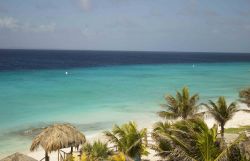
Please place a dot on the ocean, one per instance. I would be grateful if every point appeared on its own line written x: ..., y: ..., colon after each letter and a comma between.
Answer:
x: 95, y: 89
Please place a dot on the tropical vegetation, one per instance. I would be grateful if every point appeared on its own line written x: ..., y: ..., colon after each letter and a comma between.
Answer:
x: 245, y: 96
x: 190, y: 140
x: 97, y: 151
x: 128, y: 140
x: 161, y: 146
x: 119, y: 157
x: 221, y: 112
x: 183, y: 105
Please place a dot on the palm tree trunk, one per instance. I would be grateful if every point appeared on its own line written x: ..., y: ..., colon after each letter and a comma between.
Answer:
x: 46, y: 156
x: 71, y: 150
x: 222, y: 131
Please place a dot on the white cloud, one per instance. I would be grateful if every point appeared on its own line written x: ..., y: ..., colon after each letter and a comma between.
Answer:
x: 15, y: 25
x: 46, y: 28
x: 8, y: 23
x: 39, y: 28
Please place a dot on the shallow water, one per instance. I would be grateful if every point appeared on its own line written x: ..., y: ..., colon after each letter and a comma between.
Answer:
x: 95, y: 98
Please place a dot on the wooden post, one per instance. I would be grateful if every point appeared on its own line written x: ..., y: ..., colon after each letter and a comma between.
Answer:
x: 46, y: 156
x: 58, y: 155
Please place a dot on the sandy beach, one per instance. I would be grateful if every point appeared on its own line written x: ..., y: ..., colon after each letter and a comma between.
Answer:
x: 239, y: 119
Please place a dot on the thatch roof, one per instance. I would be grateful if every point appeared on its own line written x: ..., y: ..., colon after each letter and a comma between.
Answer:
x: 58, y: 136
x: 18, y: 157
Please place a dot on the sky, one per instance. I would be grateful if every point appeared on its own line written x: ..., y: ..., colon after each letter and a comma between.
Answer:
x: 144, y: 25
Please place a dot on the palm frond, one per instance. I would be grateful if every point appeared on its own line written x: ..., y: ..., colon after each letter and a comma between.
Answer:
x: 167, y: 115
x: 128, y: 139
x: 245, y: 96
x: 224, y: 153
x: 182, y: 105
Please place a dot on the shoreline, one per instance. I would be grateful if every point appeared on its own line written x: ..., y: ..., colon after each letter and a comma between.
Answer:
x: 239, y: 119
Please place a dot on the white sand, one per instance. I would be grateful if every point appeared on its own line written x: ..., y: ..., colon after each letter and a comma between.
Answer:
x: 240, y: 119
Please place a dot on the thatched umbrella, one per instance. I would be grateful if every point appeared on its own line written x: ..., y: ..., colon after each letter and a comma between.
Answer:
x: 56, y: 137
x: 18, y: 157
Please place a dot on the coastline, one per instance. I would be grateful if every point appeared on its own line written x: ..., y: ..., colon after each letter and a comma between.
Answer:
x: 239, y: 119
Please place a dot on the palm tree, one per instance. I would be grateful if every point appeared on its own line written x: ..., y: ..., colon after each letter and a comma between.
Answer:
x: 221, y: 112
x: 162, y: 146
x: 118, y: 157
x: 129, y: 140
x: 182, y: 106
x: 192, y: 140
x: 245, y: 96
x: 97, y: 151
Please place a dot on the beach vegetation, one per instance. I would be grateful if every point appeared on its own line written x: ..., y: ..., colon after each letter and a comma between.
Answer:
x: 161, y: 146
x: 222, y: 112
x: 183, y: 105
x: 245, y: 96
x: 238, y: 130
x: 118, y: 157
x: 191, y: 140
x: 97, y: 151
x: 70, y: 158
x: 129, y: 140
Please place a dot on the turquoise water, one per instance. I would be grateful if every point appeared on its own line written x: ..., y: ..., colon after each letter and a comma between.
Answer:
x: 95, y: 98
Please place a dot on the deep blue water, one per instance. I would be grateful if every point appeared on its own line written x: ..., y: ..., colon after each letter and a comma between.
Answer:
x: 58, y: 59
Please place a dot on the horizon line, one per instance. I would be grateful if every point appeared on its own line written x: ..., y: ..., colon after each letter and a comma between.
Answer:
x: 158, y: 51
